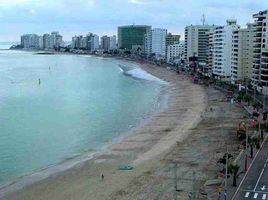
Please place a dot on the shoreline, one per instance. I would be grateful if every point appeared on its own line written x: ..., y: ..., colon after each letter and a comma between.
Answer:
x: 148, y: 142
x: 54, y: 169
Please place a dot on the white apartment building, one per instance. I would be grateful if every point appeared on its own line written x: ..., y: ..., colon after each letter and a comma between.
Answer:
x: 260, y: 52
x: 155, y: 43
x: 196, y: 42
x: 41, y: 42
x: 30, y: 41
x: 113, y: 43
x: 208, y: 67
x: 242, y: 54
x: 222, y: 53
x: 95, y: 42
x: 175, y: 52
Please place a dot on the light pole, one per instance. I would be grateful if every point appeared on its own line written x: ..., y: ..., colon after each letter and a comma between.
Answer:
x: 246, y: 153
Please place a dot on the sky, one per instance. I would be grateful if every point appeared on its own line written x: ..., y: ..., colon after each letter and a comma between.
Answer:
x: 78, y: 17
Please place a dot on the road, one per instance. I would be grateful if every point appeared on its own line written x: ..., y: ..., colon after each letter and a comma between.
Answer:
x: 255, y: 183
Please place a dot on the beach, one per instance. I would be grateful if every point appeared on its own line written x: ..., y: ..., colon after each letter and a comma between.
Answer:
x: 186, y: 133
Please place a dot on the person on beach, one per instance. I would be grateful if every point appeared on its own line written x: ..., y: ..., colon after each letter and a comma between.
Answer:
x: 102, y: 177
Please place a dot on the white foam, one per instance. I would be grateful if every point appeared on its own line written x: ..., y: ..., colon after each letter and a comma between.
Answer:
x: 141, y: 74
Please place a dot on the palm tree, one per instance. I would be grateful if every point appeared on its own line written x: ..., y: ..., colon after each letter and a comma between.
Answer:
x: 234, y: 168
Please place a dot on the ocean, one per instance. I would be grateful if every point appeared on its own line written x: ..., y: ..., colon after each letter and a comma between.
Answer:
x: 7, y: 45
x: 55, y: 108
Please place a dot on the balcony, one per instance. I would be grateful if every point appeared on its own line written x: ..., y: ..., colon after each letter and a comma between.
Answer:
x: 258, y: 40
x: 257, y: 46
x: 258, y: 35
x: 256, y: 56
x: 256, y: 51
x: 264, y: 60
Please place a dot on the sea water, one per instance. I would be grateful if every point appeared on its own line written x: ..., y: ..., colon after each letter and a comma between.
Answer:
x: 55, y: 107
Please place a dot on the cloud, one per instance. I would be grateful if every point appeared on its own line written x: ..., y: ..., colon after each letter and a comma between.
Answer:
x: 103, y: 16
x: 137, y: 1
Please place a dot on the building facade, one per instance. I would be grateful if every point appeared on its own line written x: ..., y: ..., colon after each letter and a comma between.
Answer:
x: 131, y: 37
x: 242, y: 54
x: 30, y: 41
x: 105, y: 43
x: 197, y: 38
x: 171, y: 40
x: 260, y: 52
x: 222, y: 53
x: 155, y: 43
x: 113, y: 43
x: 175, y: 52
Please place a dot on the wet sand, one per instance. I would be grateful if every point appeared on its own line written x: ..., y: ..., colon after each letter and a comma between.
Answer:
x: 144, y: 150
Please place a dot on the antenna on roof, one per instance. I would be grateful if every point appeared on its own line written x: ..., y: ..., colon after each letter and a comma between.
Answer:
x: 203, y: 19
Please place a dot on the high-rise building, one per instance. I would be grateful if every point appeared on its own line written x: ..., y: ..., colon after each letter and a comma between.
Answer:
x: 132, y: 36
x: 260, y: 52
x: 95, y: 42
x: 197, y: 43
x: 208, y: 68
x: 196, y: 40
x: 171, y: 40
x: 46, y: 41
x: 105, y: 43
x: 30, y: 41
x: 155, y: 42
x: 222, y: 53
x: 242, y: 54
x: 113, y: 43
x: 41, y: 42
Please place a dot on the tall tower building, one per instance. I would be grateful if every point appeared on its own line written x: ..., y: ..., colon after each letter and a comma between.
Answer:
x: 260, y: 52
x: 155, y: 42
x: 222, y: 53
x: 132, y: 36
x: 242, y: 54
x: 197, y: 43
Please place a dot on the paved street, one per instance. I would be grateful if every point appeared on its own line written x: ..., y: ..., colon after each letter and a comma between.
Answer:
x: 255, y: 184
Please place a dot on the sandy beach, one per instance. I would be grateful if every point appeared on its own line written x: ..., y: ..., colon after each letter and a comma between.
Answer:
x: 186, y: 132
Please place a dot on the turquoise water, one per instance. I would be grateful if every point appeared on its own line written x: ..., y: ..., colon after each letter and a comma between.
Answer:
x: 81, y: 104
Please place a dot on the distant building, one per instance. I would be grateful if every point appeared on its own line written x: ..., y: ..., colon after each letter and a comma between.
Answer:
x: 175, y: 52
x: 41, y: 42
x: 105, y: 43
x: 155, y: 43
x: 197, y: 44
x: 242, y: 54
x: 132, y: 36
x: 95, y: 43
x: 222, y: 53
x: 30, y: 41
x: 113, y: 43
x: 171, y: 40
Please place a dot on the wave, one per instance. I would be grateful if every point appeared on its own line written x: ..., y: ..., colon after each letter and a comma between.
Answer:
x: 139, y: 73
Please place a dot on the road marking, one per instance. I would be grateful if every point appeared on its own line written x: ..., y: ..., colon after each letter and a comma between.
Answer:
x: 255, y: 195
x: 264, y: 196
x: 247, y: 194
x: 260, y: 175
x: 256, y: 155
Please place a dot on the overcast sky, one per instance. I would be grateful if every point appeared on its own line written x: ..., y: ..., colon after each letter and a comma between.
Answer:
x: 71, y: 17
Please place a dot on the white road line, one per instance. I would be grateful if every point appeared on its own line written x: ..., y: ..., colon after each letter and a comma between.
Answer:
x: 260, y: 174
x: 255, y: 195
x: 263, y: 196
x: 247, y: 194
x: 242, y: 181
